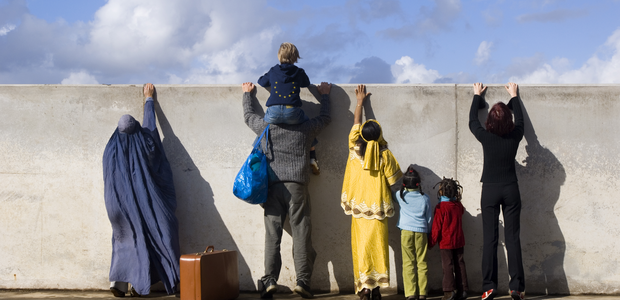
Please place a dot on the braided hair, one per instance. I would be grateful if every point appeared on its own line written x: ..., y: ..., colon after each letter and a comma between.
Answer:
x: 411, y: 180
x: 450, y: 188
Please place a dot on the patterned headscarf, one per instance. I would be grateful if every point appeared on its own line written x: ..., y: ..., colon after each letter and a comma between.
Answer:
x: 372, y: 158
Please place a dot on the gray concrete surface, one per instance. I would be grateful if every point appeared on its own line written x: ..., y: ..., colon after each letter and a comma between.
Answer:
x: 56, y: 234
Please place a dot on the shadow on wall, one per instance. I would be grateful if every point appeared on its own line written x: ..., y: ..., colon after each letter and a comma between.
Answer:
x: 201, y: 224
x: 541, y: 176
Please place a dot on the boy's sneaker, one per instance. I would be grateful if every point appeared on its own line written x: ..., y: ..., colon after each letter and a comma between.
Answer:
x: 489, y: 295
x: 516, y: 295
x: 314, y: 164
x: 303, y: 290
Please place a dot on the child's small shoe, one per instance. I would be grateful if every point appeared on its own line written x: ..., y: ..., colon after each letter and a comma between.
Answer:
x: 449, y: 295
x: 461, y: 295
x: 364, y: 294
x: 314, y: 164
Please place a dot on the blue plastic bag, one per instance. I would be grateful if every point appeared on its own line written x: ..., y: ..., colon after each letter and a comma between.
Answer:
x: 252, y: 181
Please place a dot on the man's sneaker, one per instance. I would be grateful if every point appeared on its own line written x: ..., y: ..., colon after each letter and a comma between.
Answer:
x: 489, y: 295
x: 269, y: 289
x: 516, y: 295
x: 314, y: 164
x: 303, y: 290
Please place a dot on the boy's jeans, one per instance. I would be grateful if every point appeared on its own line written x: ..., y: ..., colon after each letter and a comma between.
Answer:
x: 285, y: 114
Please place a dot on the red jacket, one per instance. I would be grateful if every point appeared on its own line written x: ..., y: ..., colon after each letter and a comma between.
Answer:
x: 447, y: 226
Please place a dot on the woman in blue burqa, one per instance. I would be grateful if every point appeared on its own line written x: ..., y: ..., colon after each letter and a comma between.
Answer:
x: 140, y: 200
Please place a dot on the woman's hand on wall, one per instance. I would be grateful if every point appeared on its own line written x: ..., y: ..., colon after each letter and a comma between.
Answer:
x: 361, y: 94
x: 148, y: 90
x: 512, y: 89
x: 479, y: 88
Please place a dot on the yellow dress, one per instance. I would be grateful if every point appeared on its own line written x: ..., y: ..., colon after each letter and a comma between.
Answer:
x: 366, y: 195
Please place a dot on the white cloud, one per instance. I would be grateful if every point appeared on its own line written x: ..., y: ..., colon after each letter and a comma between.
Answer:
x: 594, y: 70
x: 81, y: 77
x: 484, y: 53
x: 235, y: 63
x: 405, y: 70
x: 6, y: 29
x: 139, y: 40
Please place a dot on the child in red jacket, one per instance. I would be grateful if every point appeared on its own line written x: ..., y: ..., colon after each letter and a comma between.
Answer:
x: 447, y: 231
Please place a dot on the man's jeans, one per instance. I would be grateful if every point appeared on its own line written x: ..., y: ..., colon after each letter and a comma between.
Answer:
x: 293, y: 199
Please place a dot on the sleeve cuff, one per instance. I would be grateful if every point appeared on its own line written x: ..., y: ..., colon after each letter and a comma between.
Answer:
x: 149, y: 99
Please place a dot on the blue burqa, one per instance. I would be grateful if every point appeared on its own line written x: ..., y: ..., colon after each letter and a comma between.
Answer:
x: 140, y: 200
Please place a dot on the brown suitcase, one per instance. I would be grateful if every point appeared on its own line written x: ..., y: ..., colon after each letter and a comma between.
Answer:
x: 210, y: 275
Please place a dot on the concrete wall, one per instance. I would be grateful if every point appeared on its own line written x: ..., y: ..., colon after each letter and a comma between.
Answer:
x: 55, y: 233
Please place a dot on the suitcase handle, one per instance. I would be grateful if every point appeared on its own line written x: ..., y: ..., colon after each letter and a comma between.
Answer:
x: 210, y: 248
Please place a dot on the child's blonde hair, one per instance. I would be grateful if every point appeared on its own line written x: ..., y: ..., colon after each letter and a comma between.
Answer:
x: 288, y: 54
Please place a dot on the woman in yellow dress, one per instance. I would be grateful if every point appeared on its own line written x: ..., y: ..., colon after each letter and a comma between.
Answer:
x: 366, y: 195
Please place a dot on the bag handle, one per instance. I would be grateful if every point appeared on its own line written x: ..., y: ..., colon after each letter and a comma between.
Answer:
x: 211, y: 249
x: 265, y: 132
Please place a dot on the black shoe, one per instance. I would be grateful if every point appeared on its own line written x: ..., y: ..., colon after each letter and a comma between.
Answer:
x: 269, y: 289
x: 364, y: 294
x: 375, y: 294
x: 303, y: 290
x: 116, y: 292
x: 463, y: 295
x: 134, y: 293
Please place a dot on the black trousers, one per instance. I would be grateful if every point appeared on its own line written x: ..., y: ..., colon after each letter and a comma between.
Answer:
x: 508, y: 197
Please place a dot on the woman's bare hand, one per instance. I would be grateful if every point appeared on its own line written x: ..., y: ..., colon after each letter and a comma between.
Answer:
x: 360, y: 94
x: 512, y: 89
x: 479, y: 88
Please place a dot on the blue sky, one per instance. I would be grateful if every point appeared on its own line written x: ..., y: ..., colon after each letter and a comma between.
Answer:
x: 341, y: 41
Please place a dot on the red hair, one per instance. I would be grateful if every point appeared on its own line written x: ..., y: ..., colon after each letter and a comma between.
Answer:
x: 499, y: 120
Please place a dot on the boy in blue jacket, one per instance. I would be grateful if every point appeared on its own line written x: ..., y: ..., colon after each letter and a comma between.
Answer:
x: 284, y: 103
